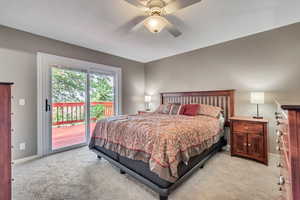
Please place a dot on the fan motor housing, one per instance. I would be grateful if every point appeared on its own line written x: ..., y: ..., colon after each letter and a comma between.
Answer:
x: 156, y: 3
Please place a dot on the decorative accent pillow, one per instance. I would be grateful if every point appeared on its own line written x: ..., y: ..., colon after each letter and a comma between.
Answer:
x: 175, y: 109
x: 191, y: 109
x: 208, y: 110
x: 164, y: 109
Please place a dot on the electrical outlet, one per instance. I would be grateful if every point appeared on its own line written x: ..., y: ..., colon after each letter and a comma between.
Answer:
x: 22, y: 146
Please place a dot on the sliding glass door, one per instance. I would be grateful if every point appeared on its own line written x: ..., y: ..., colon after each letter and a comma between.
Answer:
x: 72, y: 95
x: 68, y: 91
x: 78, y: 99
x: 102, y: 97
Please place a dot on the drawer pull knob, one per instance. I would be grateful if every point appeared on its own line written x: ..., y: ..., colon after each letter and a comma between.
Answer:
x: 281, y: 180
x: 12, y: 179
x: 279, y: 133
x: 245, y: 144
x: 279, y: 165
x: 278, y: 148
x: 249, y: 145
x: 277, y: 140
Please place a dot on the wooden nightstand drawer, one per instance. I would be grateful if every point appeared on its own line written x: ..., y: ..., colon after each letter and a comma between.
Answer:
x: 248, y: 127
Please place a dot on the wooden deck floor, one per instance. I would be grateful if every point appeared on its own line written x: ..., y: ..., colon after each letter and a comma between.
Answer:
x: 69, y: 135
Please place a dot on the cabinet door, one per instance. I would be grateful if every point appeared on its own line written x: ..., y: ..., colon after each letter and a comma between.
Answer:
x: 240, y: 143
x: 256, y: 146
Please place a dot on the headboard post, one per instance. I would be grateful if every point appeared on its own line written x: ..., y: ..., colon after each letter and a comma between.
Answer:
x: 221, y: 98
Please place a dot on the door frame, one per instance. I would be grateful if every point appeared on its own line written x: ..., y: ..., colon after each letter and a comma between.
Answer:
x: 44, y: 64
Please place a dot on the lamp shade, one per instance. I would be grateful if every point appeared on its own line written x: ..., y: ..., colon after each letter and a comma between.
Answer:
x: 257, y: 97
x: 155, y: 23
x: 148, y: 99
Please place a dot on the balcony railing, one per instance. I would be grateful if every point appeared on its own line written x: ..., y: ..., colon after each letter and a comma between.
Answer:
x: 70, y: 113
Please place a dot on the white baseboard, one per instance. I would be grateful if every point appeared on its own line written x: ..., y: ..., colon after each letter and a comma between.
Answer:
x: 26, y: 159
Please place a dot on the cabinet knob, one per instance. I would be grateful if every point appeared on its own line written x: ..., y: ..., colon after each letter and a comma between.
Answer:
x: 12, y: 180
x: 245, y: 144
x: 249, y: 145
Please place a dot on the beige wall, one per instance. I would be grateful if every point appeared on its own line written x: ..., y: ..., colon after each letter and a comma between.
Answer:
x: 18, y: 64
x: 268, y: 61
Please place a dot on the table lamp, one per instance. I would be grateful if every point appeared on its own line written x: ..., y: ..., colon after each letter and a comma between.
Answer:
x: 257, y: 98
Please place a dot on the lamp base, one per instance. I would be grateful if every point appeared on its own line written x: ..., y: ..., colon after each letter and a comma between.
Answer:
x: 257, y: 117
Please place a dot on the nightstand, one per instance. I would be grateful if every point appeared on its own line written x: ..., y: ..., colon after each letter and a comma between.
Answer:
x: 141, y: 112
x: 248, y: 138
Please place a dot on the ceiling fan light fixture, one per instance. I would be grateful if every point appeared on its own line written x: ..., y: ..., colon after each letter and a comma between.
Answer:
x: 155, y: 23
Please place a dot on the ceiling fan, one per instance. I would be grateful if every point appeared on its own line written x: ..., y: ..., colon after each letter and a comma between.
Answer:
x: 157, y: 12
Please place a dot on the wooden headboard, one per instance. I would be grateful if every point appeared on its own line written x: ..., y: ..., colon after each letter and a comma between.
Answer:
x: 220, y: 98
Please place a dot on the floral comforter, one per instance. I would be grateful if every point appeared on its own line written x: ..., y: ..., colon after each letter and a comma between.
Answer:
x: 161, y: 140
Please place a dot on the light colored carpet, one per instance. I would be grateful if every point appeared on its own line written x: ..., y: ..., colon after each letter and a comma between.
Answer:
x: 79, y: 175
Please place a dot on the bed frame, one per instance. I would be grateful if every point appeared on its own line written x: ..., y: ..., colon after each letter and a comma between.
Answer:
x: 221, y: 98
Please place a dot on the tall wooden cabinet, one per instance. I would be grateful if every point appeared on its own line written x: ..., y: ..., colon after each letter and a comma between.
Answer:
x: 288, y: 133
x: 5, y: 141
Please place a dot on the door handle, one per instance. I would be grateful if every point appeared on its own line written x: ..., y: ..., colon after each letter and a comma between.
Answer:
x: 47, y: 106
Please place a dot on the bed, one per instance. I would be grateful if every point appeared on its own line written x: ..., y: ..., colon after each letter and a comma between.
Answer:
x: 162, y: 150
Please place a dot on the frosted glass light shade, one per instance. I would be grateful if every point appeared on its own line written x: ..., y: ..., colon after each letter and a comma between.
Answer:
x: 155, y: 23
x: 257, y: 97
x: 147, y: 99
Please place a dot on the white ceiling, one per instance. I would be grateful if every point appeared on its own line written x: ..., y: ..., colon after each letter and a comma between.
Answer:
x: 96, y: 24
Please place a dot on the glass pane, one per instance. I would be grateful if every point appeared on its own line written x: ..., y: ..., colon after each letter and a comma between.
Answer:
x: 68, y: 108
x: 102, y: 97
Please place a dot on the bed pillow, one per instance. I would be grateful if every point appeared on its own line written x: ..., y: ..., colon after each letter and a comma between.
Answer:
x: 163, y: 109
x: 190, y: 109
x: 208, y: 110
x: 175, y: 108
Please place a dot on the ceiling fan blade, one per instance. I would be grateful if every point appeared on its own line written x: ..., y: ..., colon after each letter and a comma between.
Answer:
x: 137, y: 3
x: 130, y: 25
x: 173, y: 30
x: 139, y: 24
x: 179, y: 4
